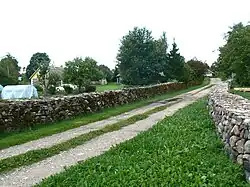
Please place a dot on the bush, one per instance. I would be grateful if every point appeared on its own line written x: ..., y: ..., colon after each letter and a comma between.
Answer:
x: 90, y: 88
x: 68, y: 89
x: 60, y: 90
x: 39, y: 88
x: 52, y: 90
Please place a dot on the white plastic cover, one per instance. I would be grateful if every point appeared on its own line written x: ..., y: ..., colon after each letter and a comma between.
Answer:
x: 19, y: 92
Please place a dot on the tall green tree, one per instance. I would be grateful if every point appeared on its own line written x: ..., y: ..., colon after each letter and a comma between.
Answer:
x: 81, y: 72
x: 176, y: 63
x: 199, y: 68
x: 38, y: 60
x: 115, y: 73
x: 9, y: 70
x: 107, y: 73
x: 161, y: 64
x: 234, y: 55
x: 136, y: 58
x: 41, y: 61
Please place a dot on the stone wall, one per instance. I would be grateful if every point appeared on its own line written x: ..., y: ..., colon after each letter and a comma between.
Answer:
x: 231, y: 114
x: 16, y: 115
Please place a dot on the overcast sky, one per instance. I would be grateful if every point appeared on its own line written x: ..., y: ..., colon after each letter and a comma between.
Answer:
x: 65, y: 29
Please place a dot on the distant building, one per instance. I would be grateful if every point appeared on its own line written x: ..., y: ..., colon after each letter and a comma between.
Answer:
x: 209, y: 73
x: 34, y: 77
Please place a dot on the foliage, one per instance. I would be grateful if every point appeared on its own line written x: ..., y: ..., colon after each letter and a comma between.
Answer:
x: 81, y: 72
x: 182, y: 150
x: 39, y: 88
x: 161, y: 65
x: 176, y: 63
x: 199, y: 68
x: 52, y: 90
x: 54, y: 79
x: 38, y: 60
x: 188, y: 74
x: 142, y: 60
x: 136, y: 58
x: 41, y: 61
x: 8, y: 139
x: 243, y: 94
x: 90, y: 88
x: 107, y: 73
x: 115, y: 74
x: 68, y: 89
x: 234, y: 55
x: 9, y: 70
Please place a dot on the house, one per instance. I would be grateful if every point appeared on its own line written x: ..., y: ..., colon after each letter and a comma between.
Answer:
x: 118, y: 79
x: 34, y: 78
x: 100, y: 82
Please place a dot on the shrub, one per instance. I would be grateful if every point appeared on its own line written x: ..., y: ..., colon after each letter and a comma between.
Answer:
x: 68, y: 89
x: 52, y: 90
x: 60, y: 90
x: 90, y: 88
x: 39, y: 88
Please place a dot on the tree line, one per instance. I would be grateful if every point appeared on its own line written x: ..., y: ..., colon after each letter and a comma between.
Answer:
x: 141, y: 60
x: 234, y: 56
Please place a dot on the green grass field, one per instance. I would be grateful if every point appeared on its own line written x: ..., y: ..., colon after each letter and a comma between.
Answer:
x: 108, y: 87
x: 243, y: 94
x: 182, y: 150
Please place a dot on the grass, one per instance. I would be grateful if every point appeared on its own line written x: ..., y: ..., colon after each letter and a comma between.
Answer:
x: 31, y: 157
x: 182, y: 150
x: 39, y: 131
x: 108, y: 87
x: 243, y: 94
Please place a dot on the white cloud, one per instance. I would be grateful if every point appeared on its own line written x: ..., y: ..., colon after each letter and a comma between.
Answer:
x: 65, y: 29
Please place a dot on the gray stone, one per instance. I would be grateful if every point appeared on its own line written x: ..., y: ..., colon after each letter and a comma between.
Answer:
x: 17, y: 114
x: 242, y: 133
x: 247, y: 147
x: 247, y: 176
x: 246, y: 134
x: 233, y: 121
x: 235, y: 130
x: 240, y: 146
x: 233, y: 140
x: 246, y: 157
x: 247, y: 122
x: 240, y: 159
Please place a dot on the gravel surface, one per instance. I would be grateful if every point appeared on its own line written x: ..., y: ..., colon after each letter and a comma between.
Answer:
x: 30, y: 175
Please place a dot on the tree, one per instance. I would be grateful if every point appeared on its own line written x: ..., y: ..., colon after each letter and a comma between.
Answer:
x: 136, y: 60
x: 115, y: 74
x: 9, y: 70
x: 107, y: 73
x: 54, y: 79
x: 234, y: 55
x: 38, y: 60
x: 81, y: 72
x: 41, y: 61
x: 176, y: 63
x: 161, y: 64
x: 188, y: 74
x: 199, y: 68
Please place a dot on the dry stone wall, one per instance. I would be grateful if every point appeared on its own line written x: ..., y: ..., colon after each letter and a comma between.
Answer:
x: 16, y: 115
x: 231, y: 114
